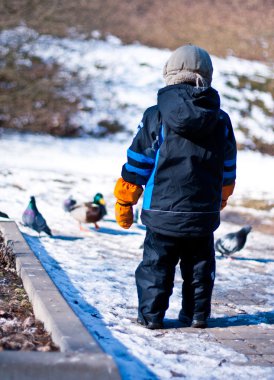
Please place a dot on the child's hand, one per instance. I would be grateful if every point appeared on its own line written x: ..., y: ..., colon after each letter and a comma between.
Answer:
x: 127, y: 195
x: 124, y: 215
x: 226, y: 192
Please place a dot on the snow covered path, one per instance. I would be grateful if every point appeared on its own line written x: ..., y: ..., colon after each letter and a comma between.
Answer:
x: 95, y: 271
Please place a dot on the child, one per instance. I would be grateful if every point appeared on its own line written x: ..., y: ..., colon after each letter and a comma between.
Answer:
x: 185, y: 155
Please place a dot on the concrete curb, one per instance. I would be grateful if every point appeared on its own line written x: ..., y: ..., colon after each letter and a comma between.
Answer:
x: 68, y: 332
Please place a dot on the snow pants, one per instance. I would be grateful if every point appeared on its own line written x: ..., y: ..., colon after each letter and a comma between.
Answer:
x: 155, y: 275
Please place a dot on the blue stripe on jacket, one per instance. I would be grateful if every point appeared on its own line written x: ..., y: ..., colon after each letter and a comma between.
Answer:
x: 230, y: 174
x: 140, y: 157
x: 142, y: 172
x: 230, y: 162
x: 150, y: 184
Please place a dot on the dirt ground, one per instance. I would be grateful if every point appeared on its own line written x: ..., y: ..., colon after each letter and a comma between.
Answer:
x: 19, y: 330
x: 240, y: 27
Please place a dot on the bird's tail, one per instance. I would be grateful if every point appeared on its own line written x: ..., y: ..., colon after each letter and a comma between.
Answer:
x: 47, y: 230
x: 218, y: 247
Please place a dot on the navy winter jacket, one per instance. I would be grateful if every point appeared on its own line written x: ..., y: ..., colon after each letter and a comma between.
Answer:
x: 183, y: 152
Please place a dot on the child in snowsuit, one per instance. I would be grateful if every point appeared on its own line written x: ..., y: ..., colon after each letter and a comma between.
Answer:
x: 185, y: 154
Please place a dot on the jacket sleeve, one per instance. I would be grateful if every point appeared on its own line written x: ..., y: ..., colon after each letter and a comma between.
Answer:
x: 230, y: 155
x: 142, y: 152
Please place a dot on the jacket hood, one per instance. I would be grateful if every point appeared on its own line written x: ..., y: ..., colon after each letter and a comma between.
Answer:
x: 188, y: 110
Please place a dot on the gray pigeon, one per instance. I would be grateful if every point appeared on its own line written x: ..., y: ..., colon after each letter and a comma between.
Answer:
x: 34, y: 219
x: 4, y: 215
x: 232, y: 242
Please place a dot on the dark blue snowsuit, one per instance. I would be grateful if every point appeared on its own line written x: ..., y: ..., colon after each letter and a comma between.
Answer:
x: 184, y: 153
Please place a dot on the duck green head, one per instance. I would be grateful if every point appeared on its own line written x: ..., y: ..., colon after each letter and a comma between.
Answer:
x: 99, y: 199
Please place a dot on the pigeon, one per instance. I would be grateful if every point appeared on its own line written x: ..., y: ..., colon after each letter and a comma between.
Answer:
x: 34, y: 219
x: 68, y: 204
x: 232, y: 242
x: 3, y: 215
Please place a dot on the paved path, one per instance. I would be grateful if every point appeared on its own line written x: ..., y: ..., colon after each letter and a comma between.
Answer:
x: 254, y: 341
x: 240, y: 332
x: 248, y: 325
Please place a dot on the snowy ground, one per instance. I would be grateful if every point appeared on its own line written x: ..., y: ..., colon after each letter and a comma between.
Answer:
x: 118, y: 82
x: 95, y: 272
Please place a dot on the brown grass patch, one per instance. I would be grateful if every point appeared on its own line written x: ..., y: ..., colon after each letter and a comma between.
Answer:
x: 107, y: 127
x: 257, y: 204
x: 240, y: 27
x: 31, y: 98
x: 19, y: 330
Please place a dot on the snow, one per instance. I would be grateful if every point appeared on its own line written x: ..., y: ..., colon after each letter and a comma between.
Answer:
x: 114, y: 75
x: 254, y: 178
x: 95, y: 270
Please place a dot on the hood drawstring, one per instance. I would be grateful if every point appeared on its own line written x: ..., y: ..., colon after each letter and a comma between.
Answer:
x: 200, y: 80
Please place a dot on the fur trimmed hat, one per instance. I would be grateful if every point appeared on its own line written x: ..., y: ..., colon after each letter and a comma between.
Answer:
x: 189, y: 63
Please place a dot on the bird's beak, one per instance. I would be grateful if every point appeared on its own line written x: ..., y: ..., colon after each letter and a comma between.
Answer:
x: 102, y: 202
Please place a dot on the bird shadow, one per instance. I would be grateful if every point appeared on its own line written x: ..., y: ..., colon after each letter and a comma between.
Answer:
x: 109, y: 220
x: 258, y: 260
x: 111, y: 231
x: 127, y: 363
x: 67, y: 238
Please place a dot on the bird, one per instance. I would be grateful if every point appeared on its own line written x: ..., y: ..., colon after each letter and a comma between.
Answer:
x: 3, y: 215
x: 89, y: 212
x: 232, y: 242
x: 69, y: 203
x: 34, y: 219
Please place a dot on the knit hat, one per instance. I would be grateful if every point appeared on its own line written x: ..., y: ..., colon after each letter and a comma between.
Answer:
x: 189, y: 63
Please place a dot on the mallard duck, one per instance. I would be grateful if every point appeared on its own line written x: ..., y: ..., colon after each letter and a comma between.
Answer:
x: 34, y: 219
x: 89, y: 212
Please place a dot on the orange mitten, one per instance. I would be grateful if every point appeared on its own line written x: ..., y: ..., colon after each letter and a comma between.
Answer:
x: 124, y: 215
x: 127, y: 194
x: 226, y: 192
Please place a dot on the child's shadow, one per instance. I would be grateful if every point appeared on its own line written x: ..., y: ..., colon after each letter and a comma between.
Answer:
x: 237, y: 320
x: 243, y: 320
x: 172, y: 324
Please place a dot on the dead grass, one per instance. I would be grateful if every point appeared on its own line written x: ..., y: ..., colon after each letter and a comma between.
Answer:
x: 31, y: 98
x: 257, y: 204
x: 258, y: 223
x: 107, y: 127
x: 19, y: 330
x: 240, y: 27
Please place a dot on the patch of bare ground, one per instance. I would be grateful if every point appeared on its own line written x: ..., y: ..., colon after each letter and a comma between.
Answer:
x: 31, y: 97
x: 19, y: 330
x: 258, y: 223
x: 240, y: 27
